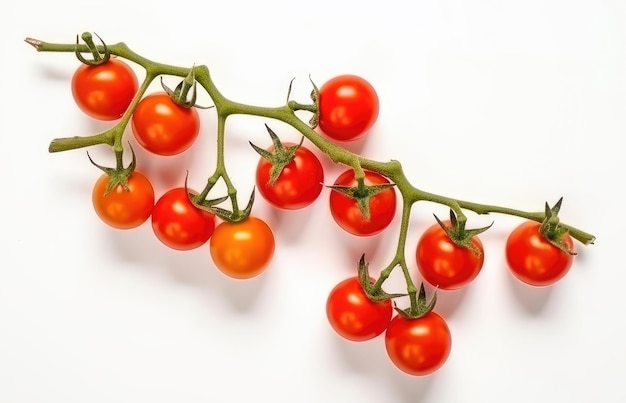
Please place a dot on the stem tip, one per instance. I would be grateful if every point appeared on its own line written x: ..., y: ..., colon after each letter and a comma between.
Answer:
x: 36, y: 43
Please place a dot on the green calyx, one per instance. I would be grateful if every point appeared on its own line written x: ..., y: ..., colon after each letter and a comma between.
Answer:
x: 460, y: 235
x: 313, y: 108
x: 98, y: 58
x: 118, y: 175
x: 180, y: 94
x: 235, y: 215
x: 423, y: 307
x: 212, y: 206
x: 280, y: 157
x: 208, y: 205
x: 374, y: 293
x: 552, y: 230
x: 362, y: 193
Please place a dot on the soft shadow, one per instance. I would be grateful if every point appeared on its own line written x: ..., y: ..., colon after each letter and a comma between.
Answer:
x: 370, y: 358
x: 193, y: 268
x: 141, y: 246
x: 241, y: 294
x: 367, y: 357
x: 357, y: 246
x: 533, y: 299
x: 449, y: 301
x: 165, y: 172
x: 290, y: 224
x: 56, y: 74
x: 410, y: 388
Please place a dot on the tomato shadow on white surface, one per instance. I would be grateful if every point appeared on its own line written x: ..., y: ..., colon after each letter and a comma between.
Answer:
x: 192, y: 268
x: 290, y: 225
x: 448, y: 301
x: 410, y: 388
x: 165, y: 172
x: 366, y: 357
x: 50, y: 72
x: 532, y: 299
x: 242, y: 295
x: 369, y: 358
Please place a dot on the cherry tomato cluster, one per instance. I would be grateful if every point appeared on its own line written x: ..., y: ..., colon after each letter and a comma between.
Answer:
x: 421, y: 345
x: 417, y: 346
x: 163, y: 127
x: 289, y: 176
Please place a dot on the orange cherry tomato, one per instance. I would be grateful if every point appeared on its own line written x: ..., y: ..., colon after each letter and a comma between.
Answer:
x: 124, y: 208
x: 244, y: 249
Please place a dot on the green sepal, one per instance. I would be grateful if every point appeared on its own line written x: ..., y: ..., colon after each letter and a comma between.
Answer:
x: 551, y: 229
x: 98, y: 58
x: 423, y: 308
x: 180, y: 94
x: 362, y: 194
x: 281, y: 156
x: 231, y: 216
x: 207, y: 205
x: 118, y: 175
x: 460, y: 235
x: 315, y: 97
x: 378, y: 294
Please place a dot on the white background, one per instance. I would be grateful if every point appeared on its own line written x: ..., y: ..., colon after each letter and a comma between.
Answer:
x: 513, y: 103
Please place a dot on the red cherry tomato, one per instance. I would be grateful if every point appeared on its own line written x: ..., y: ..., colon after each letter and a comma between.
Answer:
x: 345, y: 210
x: 443, y: 263
x: 418, y: 346
x: 353, y: 315
x: 299, y: 184
x: 104, y: 91
x: 178, y: 223
x: 348, y: 107
x: 534, y: 260
x: 163, y: 127
x: 124, y: 208
x: 244, y: 249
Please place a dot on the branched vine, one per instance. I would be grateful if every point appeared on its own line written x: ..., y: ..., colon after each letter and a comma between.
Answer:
x: 225, y: 107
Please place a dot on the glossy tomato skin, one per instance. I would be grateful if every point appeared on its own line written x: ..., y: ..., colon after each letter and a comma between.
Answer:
x: 348, y: 107
x: 121, y: 208
x: 353, y: 315
x: 418, y: 346
x: 444, y: 264
x: 345, y: 210
x: 244, y: 249
x: 179, y: 224
x: 163, y: 127
x: 534, y: 260
x: 104, y: 91
x: 299, y: 184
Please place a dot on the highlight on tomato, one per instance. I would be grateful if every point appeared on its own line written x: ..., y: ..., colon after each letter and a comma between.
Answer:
x: 243, y: 249
x: 533, y: 260
x: 104, y: 91
x: 123, y: 208
x: 418, y: 346
x: 178, y: 223
x: 348, y: 107
x: 443, y: 263
x: 163, y: 127
x: 300, y: 181
x: 347, y: 214
x: 354, y: 316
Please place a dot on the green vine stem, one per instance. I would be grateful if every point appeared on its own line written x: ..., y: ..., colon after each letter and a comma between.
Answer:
x: 286, y: 113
